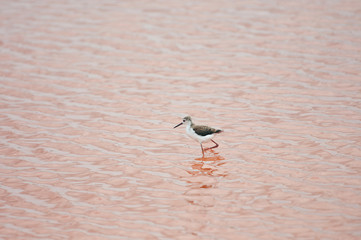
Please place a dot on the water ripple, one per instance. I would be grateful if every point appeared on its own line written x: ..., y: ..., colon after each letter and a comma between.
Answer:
x: 90, y: 93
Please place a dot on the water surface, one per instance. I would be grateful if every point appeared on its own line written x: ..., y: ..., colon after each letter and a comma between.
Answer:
x: 90, y: 92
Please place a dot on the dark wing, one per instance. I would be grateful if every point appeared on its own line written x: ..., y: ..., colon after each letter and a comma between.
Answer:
x: 205, y: 130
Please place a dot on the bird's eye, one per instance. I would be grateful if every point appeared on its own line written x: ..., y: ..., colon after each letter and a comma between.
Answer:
x: 184, y: 120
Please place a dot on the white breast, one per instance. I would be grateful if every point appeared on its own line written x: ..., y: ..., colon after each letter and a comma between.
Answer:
x: 190, y: 132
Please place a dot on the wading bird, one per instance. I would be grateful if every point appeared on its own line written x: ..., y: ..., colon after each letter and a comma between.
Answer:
x: 199, y: 133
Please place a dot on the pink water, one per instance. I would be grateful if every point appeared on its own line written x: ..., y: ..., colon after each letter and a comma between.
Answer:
x: 91, y: 90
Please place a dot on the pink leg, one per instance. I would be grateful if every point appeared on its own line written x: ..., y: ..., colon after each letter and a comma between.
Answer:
x: 213, y: 146
x: 202, y: 150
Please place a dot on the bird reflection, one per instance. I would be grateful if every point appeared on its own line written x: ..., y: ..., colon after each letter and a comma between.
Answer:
x: 208, y: 165
x: 204, y: 178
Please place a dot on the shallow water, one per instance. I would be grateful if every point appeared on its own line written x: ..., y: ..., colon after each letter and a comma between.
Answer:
x: 91, y: 91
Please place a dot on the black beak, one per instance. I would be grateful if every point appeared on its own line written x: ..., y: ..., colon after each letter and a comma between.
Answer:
x: 178, y: 125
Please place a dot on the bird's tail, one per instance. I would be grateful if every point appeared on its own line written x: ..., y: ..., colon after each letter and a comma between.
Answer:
x: 219, y: 131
